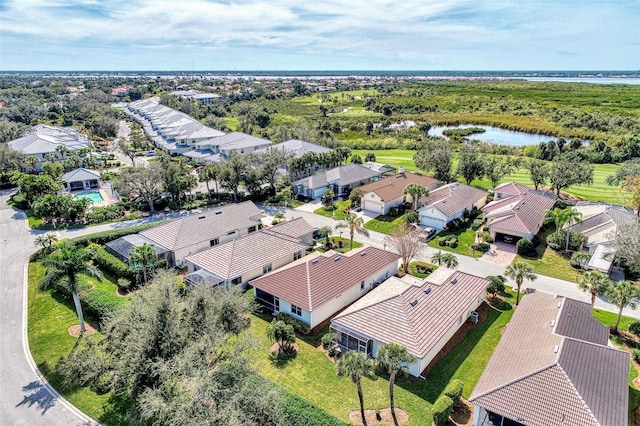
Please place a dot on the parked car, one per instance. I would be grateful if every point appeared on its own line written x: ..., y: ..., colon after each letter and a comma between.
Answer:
x: 508, y: 239
x: 428, y: 233
x: 150, y: 153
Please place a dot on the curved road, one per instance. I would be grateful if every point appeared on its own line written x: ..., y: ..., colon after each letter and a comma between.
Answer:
x: 25, y: 398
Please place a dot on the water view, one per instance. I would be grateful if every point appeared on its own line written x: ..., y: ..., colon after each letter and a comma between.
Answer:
x: 497, y: 136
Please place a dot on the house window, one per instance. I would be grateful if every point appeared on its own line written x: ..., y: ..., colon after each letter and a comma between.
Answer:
x: 214, y: 242
x: 362, y: 285
x: 296, y: 310
x: 236, y: 280
x: 231, y: 232
x: 297, y: 255
x: 276, y: 304
x: 252, y: 229
x: 266, y: 269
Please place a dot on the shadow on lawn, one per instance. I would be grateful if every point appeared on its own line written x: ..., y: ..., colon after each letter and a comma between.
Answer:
x: 444, y: 370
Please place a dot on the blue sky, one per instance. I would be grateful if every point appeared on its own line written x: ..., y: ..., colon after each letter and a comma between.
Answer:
x: 319, y: 35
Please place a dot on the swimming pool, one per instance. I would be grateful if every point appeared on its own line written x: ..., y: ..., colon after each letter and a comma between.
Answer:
x: 95, y: 197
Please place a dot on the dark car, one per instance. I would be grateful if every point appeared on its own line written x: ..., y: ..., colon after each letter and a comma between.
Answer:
x: 508, y: 239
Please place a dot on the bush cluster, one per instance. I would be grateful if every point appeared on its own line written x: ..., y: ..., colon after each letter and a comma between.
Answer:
x: 476, y: 224
x: 109, y: 213
x: 106, y: 236
x: 100, y: 303
x: 634, y: 328
x: 441, y: 410
x: 449, y: 240
x: 557, y: 241
x: 298, y: 326
x: 524, y: 247
x: 298, y: 412
x: 454, y: 390
x: 483, y: 247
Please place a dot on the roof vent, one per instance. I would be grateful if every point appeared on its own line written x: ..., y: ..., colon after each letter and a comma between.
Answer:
x: 553, y: 323
x: 363, y: 253
x: 555, y: 349
x: 219, y: 212
x: 559, y: 305
x: 427, y: 291
x: 335, y: 259
x: 201, y: 217
x: 414, y: 302
x: 454, y: 281
x: 314, y: 261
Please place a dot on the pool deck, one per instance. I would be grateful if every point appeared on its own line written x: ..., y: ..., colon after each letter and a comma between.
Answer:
x: 107, y: 199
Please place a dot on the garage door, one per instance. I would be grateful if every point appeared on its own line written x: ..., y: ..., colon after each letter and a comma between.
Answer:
x: 372, y: 206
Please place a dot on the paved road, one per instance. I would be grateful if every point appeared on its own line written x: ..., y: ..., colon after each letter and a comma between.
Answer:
x: 25, y: 398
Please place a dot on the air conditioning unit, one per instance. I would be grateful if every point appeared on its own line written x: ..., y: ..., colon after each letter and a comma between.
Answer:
x: 473, y: 317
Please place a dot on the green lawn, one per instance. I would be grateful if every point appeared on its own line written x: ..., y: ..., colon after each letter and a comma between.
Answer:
x: 338, y: 213
x: 384, y: 224
x: 49, y: 316
x: 549, y: 262
x: 413, y: 269
x: 609, y: 319
x: 466, y: 237
x: 345, y: 243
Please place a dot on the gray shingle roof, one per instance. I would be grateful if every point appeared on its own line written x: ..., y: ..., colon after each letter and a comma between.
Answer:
x: 341, y: 175
x: 80, y: 175
x: 453, y: 198
x: 123, y: 245
x: 320, y: 278
x: 297, y: 147
x: 237, y: 140
x: 403, y: 312
x: 541, y: 377
x: 43, y: 139
x: 204, y: 226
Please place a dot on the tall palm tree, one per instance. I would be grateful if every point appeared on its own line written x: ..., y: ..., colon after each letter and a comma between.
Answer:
x: 447, y: 259
x: 558, y: 217
x: 573, y: 216
x: 144, y: 256
x: 595, y: 282
x: 355, y: 224
x: 356, y: 365
x: 520, y: 271
x: 63, y: 269
x: 394, y: 358
x: 623, y: 294
x: 416, y: 191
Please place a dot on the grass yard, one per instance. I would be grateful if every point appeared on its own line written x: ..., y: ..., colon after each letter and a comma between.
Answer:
x: 413, y: 269
x: 345, y: 245
x: 466, y: 237
x: 384, y: 224
x: 338, y: 213
x: 609, y: 319
x: 49, y: 316
x: 550, y: 262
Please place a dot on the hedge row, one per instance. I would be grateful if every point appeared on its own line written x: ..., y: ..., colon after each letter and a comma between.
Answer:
x: 118, y: 269
x: 106, y: 236
x: 454, y: 390
x: 441, y: 410
x: 298, y: 412
x: 298, y: 326
x: 100, y: 303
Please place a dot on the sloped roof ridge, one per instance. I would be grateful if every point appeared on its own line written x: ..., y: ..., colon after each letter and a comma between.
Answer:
x: 377, y: 302
x: 233, y: 250
x: 517, y: 379
x: 309, y: 284
x: 573, y: 386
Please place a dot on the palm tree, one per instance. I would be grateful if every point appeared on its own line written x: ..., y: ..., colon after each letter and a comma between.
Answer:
x: 394, y: 358
x: 582, y: 259
x: 447, y: 259
x: 45, y: 241
x: 356, y: 365
x: 144, y: 256
x: 622, y: 294
x: 572, y: 216
x: 558, y: 217
x: 282, y: 333
x: 595, y: 282
x: 416, y: 191
x: 520, y: 271
x: 63, y: 269
x: 355, y: 224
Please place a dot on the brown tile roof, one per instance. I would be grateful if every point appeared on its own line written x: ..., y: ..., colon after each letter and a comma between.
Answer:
x: 393, y: 187
x: 415, y: 315
x: 521, y: 212
x: 453, y: 198
x: 237, y: 257
x: 199, y: 227
x: 316, y: 279
x: 552, y: 367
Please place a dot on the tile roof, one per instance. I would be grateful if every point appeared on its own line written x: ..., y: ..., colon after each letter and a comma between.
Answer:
x: 319, y: 278
x: 43, y: 139
x: 124, y: 244
x: 342, y: 175
x: 453, y: 198
x: 237, y: 140
x: 234, y: 258
x: 600, y: 221
x: 552, y: 366
x: 414, y: 314
x: 392, y: 187
x: 200, y: 227
x: 80, y: 174
x: 297, y: 147
x: 523, y: 211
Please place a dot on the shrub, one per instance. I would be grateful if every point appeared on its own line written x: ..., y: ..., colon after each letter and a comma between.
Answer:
x: 477, y: 223
x: 327, y: 339
x: 298, y: 412
x: 524, y: 247
x: 411, y: 217
x: 486, y: 237
x: 20, y: 202
x: 275, y: 222
x: 483, y: 247
x: 106, y: 236
x: 112, y: 265
x: 298, y: 326
x: 454, y: 390
x: 124, y: 284
x: 101, y: 303
x: 634, y: 328
x: 452, y: 242
x: 442, y: 241
x: 635, y: 353
x: 557, y: 241
x: 441, y: 410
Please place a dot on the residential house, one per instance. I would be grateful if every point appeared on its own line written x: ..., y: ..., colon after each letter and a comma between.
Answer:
x: 121, y: 247
x: 421, y: 315
x: 341, y: 180
x: 380, y: 196
x: 553, y: 366
x: 317, y: 286
x: 193, y: 233
x: 297, y: 149
x: 383, y: 169
x: 449, y: 202
x: 81, y: 179
x: 49, y: 143
x: 203, y: 98
x: 243, y: 259
x: 600, y: 224
x: 517, y: 211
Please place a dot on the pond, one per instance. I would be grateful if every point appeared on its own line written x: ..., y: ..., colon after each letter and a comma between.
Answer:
x: 498, y: 136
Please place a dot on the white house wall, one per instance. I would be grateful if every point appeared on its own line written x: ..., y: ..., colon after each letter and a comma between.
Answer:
x: 430, y: 216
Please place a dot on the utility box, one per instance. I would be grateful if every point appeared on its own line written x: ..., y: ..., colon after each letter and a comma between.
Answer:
x: 473, y: 318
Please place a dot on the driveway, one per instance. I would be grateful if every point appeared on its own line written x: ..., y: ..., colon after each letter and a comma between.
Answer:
x: 25, y: 399
x: 501, y: 253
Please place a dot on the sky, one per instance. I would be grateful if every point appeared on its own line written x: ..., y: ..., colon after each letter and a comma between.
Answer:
x: 196, y: 35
